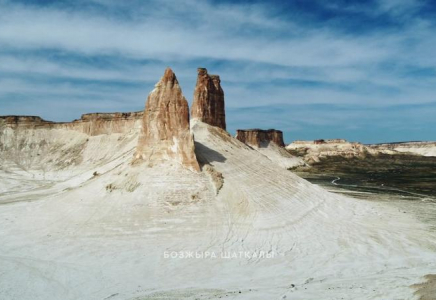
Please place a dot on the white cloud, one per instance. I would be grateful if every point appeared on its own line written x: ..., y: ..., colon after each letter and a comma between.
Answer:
x: 261, y: 46
x: 400, y: 8
x: 218, y: 33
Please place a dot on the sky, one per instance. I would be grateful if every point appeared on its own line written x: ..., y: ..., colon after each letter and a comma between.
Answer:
x: 360, y: 70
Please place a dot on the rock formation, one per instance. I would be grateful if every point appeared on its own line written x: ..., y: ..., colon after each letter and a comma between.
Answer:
x: 418, y: 148
x: 314, y: 151
x: 259, y: 137
x: 91, y: 124
x: 107, y: 123
x: 23, y: 122
x: 165, y: 132
x: 208, y: 105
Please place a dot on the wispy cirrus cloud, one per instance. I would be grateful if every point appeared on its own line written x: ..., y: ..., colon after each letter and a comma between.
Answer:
x: 367, y: 56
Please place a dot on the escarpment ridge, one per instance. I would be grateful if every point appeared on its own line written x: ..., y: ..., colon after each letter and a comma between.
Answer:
x: 418, y: 148
x: 91, y: 124
x: 313, y: 151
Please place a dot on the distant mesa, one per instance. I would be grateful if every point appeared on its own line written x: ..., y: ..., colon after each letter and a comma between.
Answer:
x: 322, y: 141
x: 165, y: 134
x: 331, y: 141
x: 208, y: 104
x: 259, y: 138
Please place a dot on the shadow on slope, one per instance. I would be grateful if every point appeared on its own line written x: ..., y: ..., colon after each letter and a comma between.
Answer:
x: 205, y: 155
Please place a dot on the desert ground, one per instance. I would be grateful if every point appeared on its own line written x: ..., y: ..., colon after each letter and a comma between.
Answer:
x: 79, y: 220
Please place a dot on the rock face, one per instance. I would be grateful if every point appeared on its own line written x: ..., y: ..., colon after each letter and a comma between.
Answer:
x: 108, y: 123
x: 165, y: 132
x: 314, y: 151
x: 91, y: 124
x: 23, y: 122
x: 321, y: 142
x: 259, y: 137
x: 208, y: 105
x: 418, y: 148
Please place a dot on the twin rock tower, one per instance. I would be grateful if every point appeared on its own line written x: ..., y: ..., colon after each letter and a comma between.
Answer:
x: 166, y: 134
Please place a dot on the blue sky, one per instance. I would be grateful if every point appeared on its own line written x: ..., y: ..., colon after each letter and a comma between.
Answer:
x: 360, y: 70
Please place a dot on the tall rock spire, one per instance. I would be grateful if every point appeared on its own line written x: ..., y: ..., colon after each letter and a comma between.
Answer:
x: 165, y: 132
x: 208, y: 105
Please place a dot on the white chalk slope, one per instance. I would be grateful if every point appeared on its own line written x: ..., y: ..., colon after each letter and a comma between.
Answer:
x: 279, y: 155
x: 424, y: 150
x: 67, y: 234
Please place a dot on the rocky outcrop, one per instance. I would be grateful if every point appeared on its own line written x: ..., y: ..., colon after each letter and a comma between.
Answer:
x: 208, y: 104
x: 108, y: 123
x: 418, y: 148
x: 314, y: 151
x: 216, y: 177
x: 24, y: 122
x: 91, y: 124
x: 165, y: 132
x: 259, y: 137
x: 270, y: 144
x: 321, y: 141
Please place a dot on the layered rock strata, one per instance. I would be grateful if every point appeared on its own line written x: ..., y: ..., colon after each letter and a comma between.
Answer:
x: 314, y: 151
x: 24, y: 122
x: 91, y: 124
x: 259, y: 137
x: 418, y: 148
x: 107, y: 123
x: 208, y: 104
x: 165, y: 132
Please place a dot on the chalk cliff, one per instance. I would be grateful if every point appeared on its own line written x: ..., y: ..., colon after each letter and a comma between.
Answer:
x: 92, y: 124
